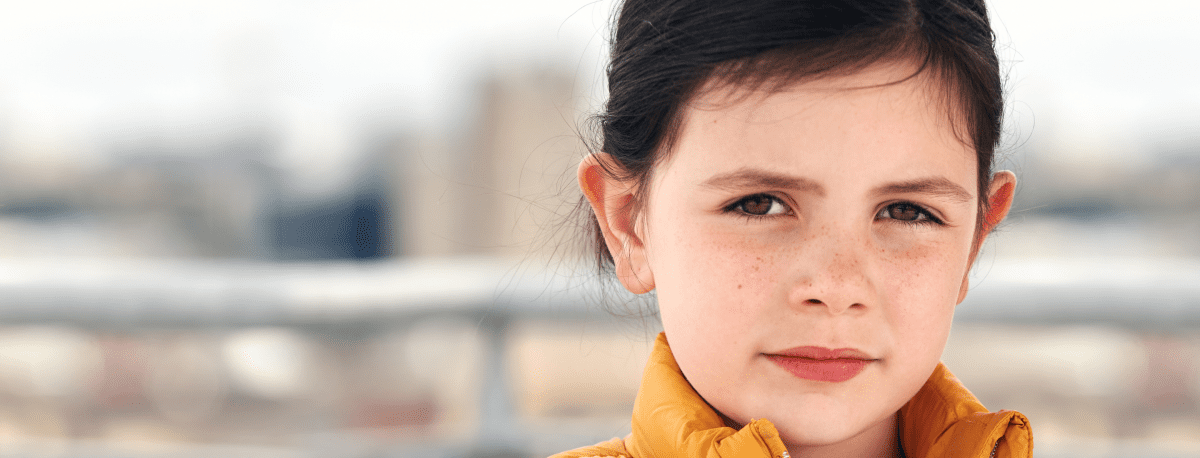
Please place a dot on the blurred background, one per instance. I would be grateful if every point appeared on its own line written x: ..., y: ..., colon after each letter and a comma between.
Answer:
x: 317, y: 228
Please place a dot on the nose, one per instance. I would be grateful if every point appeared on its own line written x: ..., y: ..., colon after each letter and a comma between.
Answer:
x: 834, y: 307
x: 833, y: 274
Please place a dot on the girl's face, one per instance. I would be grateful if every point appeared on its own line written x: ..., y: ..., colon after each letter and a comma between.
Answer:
x: 808, y: 248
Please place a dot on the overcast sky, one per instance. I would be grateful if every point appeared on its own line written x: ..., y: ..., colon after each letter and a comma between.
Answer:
x: 1089, y: 78
x: 1104, y: 77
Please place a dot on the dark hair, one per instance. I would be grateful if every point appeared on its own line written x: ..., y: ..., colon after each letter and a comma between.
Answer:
x: 663, y: 51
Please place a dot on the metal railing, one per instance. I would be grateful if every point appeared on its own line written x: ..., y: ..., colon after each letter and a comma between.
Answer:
x: 357, y: 298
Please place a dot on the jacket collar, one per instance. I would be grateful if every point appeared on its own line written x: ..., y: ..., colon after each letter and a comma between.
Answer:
x: 943, y: 419
x: 671, y: 420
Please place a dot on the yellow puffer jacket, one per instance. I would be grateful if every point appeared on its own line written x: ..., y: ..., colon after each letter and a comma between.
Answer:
x: 670, y: 420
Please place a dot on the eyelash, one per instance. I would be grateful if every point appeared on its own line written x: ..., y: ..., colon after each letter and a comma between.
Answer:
x: 738, y: 207
x: 924, y: 216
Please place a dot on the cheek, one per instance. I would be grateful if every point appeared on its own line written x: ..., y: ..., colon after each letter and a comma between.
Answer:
x: 927, y: 262
x: 710, y: 279
x: 715, y: 293
x: 921, y: 286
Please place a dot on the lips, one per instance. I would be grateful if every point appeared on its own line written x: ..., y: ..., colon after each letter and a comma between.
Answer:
x: 822, y: 364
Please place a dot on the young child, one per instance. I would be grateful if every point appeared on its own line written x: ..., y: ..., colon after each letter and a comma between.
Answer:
x: 805, y: 185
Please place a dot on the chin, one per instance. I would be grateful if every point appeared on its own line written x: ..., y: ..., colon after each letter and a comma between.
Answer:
x: 815, y: 432
x: 823, y: 425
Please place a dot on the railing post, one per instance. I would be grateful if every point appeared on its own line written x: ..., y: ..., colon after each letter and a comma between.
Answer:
x: 499, y: 434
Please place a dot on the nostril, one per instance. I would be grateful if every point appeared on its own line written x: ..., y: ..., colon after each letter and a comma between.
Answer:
x: 814, y: 302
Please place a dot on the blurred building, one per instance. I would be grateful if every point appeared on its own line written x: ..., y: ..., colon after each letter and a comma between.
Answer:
x: 504, y: 185
x: 493, y: 186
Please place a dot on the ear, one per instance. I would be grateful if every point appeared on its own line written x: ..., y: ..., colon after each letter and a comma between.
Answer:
x: 1000, y: 197
x: 612, y: 201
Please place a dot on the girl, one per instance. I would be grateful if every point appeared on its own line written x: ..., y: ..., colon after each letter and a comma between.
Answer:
x: 805, y: 185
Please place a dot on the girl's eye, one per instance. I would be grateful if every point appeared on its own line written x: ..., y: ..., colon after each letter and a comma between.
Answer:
x: 907, y: 212
x: 759, y: 205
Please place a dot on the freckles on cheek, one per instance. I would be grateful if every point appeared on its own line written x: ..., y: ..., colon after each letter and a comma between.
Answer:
x: 721, y: 270
x: 929, y: 254
x: 925, y: 279
x: 750, y: 285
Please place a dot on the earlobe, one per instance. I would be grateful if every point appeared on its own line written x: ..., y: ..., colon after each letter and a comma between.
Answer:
x: 612, y: 201
x: 1000, y: 198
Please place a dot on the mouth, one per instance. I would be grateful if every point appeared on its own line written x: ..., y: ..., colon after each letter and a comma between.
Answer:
x: 822, y: 364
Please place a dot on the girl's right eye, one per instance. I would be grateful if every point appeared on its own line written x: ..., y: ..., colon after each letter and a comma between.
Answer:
x: 759, y: 205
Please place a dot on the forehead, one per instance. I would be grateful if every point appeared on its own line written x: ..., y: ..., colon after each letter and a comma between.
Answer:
x: 886, y: 119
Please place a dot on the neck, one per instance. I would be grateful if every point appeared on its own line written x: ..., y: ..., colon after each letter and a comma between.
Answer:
x: 879, y: 441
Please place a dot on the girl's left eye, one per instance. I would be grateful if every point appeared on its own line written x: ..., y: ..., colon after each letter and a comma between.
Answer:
x: 908, y: 213
x: 759, y: 205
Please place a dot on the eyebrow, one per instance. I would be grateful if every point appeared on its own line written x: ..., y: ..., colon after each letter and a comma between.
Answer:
x: 933, y: 186
x: 758, y: 178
